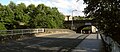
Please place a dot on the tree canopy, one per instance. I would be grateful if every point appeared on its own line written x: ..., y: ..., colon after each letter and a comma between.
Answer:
x: 106, y: 13
x: 14, y: 16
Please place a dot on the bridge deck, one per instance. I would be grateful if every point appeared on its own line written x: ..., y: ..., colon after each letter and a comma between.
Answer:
x: 92, y: 43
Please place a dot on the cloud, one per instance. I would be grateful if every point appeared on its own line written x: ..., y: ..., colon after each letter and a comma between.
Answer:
x: 64, y: 6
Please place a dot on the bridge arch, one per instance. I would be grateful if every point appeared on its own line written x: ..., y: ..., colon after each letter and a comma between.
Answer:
x: 92, y: 30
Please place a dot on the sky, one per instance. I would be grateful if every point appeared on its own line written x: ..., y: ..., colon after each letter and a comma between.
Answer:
x: 64, y: 6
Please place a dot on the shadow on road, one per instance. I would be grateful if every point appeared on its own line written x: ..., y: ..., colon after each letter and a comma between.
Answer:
x: 89, y: 45
x: 41, y: 44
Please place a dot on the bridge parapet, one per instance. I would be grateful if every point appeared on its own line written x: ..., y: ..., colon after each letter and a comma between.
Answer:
x: 79, y: 23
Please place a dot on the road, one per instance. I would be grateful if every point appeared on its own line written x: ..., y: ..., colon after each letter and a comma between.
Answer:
x: 50, y: 43
x: 91, y: 43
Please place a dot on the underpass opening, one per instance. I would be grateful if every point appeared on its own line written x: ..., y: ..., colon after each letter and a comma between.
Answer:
x: 86, y: 29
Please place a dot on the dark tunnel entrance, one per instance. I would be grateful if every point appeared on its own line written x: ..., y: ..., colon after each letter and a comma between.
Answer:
x: 83, y: 29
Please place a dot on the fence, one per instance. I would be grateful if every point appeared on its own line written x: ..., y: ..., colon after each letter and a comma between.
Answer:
x: 20, y: 31
x: 20, y: 34
x: 30, y: 31
x: 111, y: 45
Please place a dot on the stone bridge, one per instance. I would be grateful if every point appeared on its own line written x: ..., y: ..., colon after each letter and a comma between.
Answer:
x: 78, y: 25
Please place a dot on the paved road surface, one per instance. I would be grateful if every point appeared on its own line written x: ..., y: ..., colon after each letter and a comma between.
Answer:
x: 92, y: 43
x: 50, y: 43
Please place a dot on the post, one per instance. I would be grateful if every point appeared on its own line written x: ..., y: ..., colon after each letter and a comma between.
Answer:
x: 37, y: 30
x: 12, y: 32
x: 22, y: 33
x: 81, y: 31
x: 72, y: 26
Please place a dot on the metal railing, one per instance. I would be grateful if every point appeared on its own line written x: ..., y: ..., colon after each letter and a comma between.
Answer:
x: 20, y: 31
x: 112, y: 46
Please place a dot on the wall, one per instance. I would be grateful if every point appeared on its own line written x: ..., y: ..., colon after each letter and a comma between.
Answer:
x: 94, y: 29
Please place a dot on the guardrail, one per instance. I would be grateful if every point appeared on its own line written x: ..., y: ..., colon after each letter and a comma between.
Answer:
x: 20, y: 31
x: 111, y: 45
x: 20, y: 34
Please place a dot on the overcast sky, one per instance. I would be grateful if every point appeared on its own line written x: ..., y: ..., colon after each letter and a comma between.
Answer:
x: 64, y: 6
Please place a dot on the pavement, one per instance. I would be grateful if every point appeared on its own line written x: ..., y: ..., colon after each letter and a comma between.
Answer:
x: 92, y: 43
x: 49, y: 43
x: 65, y: 42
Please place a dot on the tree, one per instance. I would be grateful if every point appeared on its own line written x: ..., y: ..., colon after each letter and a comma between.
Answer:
x: 14, y: 16
x: 20, y: 17
x: 12, y: 5
x: 20, y: 14
x: 2, y: 25
x: 6, y: 16
x: 106, y: 13
x: 30, y: 10
x: 58, y: 17
x: 46, y: 17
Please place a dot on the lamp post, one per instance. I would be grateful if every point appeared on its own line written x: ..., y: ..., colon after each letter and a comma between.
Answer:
x: 72, y: 26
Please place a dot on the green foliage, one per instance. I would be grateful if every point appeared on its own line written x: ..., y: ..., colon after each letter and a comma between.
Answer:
x: 20, y: 15
x: 6, y: 16
x: 14, y: 16
x: 106, y: 13
x: 87, y: 28
x: 12, y: 5
x: 46, y: 17
x: 82, y: 18
x: 2, y: 26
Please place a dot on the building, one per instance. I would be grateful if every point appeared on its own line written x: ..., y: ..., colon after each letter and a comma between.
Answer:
x: 68, y: 18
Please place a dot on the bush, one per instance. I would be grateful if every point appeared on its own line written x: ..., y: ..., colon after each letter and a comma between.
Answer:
x: 2, y: 26
x: 87, y: 28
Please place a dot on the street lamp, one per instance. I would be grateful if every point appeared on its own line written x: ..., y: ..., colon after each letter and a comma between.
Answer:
x: 72, y: 26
